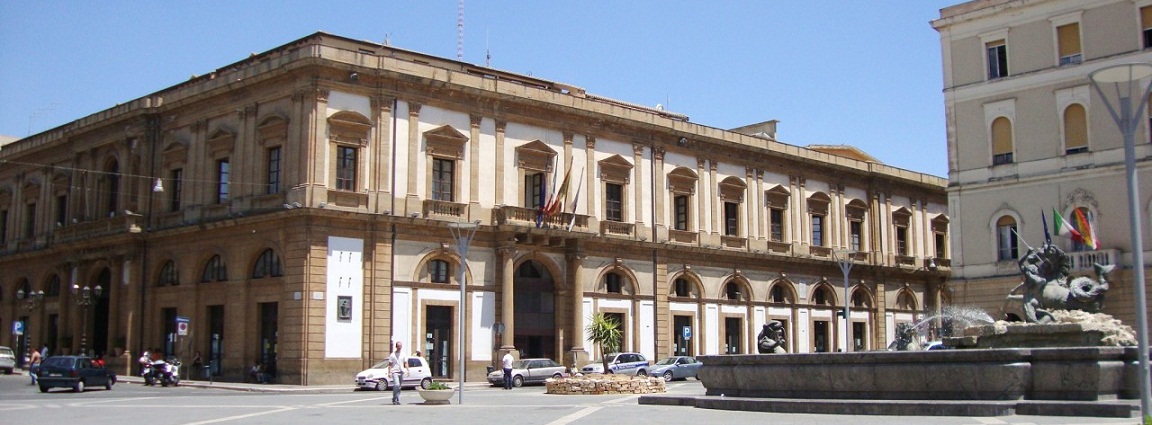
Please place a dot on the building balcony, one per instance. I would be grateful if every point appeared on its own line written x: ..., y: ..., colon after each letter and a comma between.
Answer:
x: 820, y: 251
x: 526, y: 217
x: 781, y: 248
x: 734, y: 242
x: 120, y: 224
x: 616, y: 228
x: 443, y: 209
x: 683, y: 237
x: 1084, y: 261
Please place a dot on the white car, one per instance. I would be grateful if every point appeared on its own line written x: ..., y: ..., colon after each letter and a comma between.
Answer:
x: 7, y: 360
x: 622, y: 363
x: 377, y: 377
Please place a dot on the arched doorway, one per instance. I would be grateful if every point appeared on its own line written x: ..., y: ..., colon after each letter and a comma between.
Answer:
x: 535, y: 314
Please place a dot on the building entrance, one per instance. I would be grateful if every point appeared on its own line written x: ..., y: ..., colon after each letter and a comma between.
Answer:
x: 535, y: 315
x: 438, y: 340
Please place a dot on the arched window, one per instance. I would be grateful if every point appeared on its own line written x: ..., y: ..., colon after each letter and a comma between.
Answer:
x: 1001, y: 141
x: 860, y: 299
x: 168, y: 275
x: 613, y: 283
x: 682, y: 287
x: 1075, y: 129
x: 215, y: 270
x: 1007, y: 247
x: 268, y: 265
x: 821, y: 296
x: 53, y: 287
x: 781, y: 294
x: 439, y: 271
x: 733, y: 291
x: 905, y: 301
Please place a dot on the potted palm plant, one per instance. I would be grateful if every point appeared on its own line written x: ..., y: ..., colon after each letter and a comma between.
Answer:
x: 436, y: 393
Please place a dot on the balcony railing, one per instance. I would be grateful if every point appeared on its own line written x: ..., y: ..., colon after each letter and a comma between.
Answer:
x: 616, y: 228
x: 1085, y: 260
x: 519, y: 216
x: 444, y: 209
x: 94, y: 229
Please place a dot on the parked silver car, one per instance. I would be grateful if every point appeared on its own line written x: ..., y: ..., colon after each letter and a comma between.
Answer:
x: 676, y: 367
x: 7, y: 360
x: 378, y: 378
x: 527, y: 371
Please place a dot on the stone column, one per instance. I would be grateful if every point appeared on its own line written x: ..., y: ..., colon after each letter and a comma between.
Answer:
x: 412, y: 198
x: 576, y: 356
x: 637, y: 188
x: 500, y: 163
x: 507, y: 255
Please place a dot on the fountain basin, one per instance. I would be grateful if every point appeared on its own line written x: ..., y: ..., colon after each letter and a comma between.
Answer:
x: 1074, y: 374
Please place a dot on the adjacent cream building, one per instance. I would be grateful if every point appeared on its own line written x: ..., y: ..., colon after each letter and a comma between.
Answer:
x: 1027, y: 134
x: 296, y: 208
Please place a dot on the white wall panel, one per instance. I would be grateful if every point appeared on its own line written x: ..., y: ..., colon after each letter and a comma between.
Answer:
x: 345, y: 281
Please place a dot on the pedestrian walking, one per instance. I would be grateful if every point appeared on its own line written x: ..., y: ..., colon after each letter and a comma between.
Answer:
x: 397, y: 367
x: 507, y: 364
x: 34, y: 360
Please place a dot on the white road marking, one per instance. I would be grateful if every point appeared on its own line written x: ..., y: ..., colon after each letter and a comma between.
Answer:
x: 232, y: 418
x: 990, y: 421
x: 574, y: 416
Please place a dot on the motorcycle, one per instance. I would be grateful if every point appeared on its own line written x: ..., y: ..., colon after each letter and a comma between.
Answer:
x: 149, y: 373
x: 167, y: 372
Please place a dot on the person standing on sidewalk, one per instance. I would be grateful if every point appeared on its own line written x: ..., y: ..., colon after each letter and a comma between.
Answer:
x: 506, y: 363
x: 397, y: 367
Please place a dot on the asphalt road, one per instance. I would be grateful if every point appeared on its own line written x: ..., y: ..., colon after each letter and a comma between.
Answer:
x: 21, y: 403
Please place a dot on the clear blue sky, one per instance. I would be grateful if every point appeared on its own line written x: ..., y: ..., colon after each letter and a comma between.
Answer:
x: 862, y: 73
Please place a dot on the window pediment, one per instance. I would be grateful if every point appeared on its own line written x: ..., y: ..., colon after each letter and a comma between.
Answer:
x: 349, y: 128
x: 856, y: 209
x: 221, y: 141
x: 682, y: 181
x: 446, y: 142
x: 818, y: 203
x: 175, y: 154
x: 776, y: 197
x: 901, y: 217
x: 274, y: 131
x: 615, y: 169
x: 535, y: 156
x: 732, y: 189
x: 60, y: 185
x: 940, y: 223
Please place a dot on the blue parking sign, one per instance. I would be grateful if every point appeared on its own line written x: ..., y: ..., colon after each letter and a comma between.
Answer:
x: 18, y: 327
x: 687, y: 331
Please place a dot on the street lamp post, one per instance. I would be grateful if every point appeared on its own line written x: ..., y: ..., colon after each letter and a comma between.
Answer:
x: 1124, y: 89
x: 87, y: 297
x: 462, y: 234
x: 30, y: 298
x: 844, y: 258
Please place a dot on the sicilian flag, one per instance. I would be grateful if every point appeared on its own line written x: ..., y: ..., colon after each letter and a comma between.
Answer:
x: 576, y: 200
x: 556, y: 204
x: 1085, y: 227
x: 1064, y: 228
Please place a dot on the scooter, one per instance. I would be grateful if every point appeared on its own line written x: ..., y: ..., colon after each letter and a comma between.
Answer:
x: 149, y: 373
x: 168, y: 372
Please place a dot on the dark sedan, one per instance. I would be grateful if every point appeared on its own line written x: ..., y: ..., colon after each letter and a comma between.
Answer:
x: 75, y: 372
x: 676, y: 367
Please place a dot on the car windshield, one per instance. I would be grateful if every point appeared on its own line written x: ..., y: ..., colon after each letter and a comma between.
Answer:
x: 381, y: 365
x: 667, y: 360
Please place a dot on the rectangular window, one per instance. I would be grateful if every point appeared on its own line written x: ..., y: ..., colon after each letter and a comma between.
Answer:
x: 61, y: 210
x: 997, y: 59
x: 345, y: 168
x: 273, y: 170
x: 223, y: 170
x: 817, y: 230
x: 1007, y: 247
x: 1146, y: 25
x: 177, y: 188
x: 1068, y: 39
x: 443, y: 175
x: 856, y: 230
x: 901, y: 240
x: 776, y: 216
x: 680, y: 212
x: 533, y: 187
x: 1001, y: 159
x: 941, y: 245
x: 30, y: 221
x: 731, y: 219
x: 3, y: 225
x: 613, y: 202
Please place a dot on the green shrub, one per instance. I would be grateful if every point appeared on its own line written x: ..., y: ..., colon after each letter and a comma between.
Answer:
x: 438, y: 386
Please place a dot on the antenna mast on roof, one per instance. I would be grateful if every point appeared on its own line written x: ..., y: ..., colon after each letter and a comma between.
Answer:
x: 460, y: 30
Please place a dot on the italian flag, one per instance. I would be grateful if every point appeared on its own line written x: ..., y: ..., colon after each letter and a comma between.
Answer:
x: 1064, y: 228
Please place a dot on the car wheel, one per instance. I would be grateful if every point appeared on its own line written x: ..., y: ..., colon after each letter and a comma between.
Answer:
x: 108, y: 384
x: 43, y: 389
x: 380, y: 386
x: 668, y: 376
x: 425, y: 383
x: 557, y: 375
x: 517, y: 381
x: 641, y: 372
x: 79, y: 387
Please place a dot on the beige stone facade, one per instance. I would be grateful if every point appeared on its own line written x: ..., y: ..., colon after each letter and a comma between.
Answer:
x: 308, y: 194
x: 1027, y: 135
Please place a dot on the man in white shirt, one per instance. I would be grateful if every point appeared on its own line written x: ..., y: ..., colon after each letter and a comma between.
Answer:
x: 507, y: 364
x: 397, y: 367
